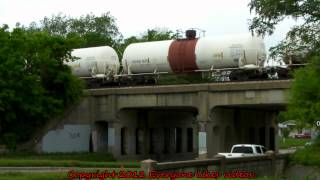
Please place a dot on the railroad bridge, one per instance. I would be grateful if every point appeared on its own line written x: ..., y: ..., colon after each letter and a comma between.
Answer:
x: 170, y: 122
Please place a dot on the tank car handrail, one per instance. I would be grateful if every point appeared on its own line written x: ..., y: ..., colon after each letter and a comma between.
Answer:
x: 304, y: 64
x: 222, y: 69
x: 141, y: 74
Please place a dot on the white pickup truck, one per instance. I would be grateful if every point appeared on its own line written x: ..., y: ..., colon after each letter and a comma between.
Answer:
x: 242, y: 150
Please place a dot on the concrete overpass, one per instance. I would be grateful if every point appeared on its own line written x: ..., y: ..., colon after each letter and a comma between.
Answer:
x: 170, y: 122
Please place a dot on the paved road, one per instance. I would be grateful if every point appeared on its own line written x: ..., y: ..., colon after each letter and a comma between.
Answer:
x: 291, y: 150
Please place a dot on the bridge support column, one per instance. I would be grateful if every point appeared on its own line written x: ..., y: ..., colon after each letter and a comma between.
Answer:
x: 114, y: 138
x: 100, y: 136
x: 202, y: 140
x: 203, y: 120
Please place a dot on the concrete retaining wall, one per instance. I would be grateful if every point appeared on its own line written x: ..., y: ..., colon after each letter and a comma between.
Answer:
x: 298, y: 172
x: 71, y: 138
x: 271, y: 165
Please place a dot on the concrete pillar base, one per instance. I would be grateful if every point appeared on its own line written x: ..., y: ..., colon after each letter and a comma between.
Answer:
x: 202, y: 156
x: 148, y: 165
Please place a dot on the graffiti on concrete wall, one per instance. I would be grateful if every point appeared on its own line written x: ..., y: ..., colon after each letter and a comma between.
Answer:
x: 74, y: 135
x: 72, y: 138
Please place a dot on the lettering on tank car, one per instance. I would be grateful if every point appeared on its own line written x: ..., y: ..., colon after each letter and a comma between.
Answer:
x: 236, y: 51
x: 141, y: 61
x: 90, y: 58
x: 218, y: 56
x: 92, y: 66
x: 77, y: 65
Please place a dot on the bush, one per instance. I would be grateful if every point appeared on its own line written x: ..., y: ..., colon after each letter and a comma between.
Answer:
x: 35, y: 85
x: 308, y: 156
x: 285, y: 132
x: 10, y: 140
x: 292, y: 142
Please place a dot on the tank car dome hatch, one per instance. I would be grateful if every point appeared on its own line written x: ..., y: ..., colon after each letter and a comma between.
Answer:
x: 191, y: 34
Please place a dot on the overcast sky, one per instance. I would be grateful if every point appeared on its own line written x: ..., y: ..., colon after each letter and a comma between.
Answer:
x: 134, y: 17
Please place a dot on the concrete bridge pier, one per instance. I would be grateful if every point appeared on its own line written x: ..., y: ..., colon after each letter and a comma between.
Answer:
x: 99, y: 137
x: 114, y: 130
x: 203, y: 140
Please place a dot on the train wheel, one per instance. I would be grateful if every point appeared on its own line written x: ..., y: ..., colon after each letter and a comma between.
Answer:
x: 238, y: 76
x: 151, y: 81
x: 243, y: 77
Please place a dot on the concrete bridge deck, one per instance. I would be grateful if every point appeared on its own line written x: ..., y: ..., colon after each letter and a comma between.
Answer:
x: 182, y: 88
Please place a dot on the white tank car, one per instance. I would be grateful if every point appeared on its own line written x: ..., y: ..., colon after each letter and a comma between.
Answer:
x: 95, y: 62
x: 146, y: 57
x: 195, y: 54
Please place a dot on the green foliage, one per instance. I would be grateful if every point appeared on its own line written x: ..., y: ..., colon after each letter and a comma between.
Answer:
x: 35, y: 84
x: 304, y: 103
x: 302, y: 43
x: 309, y: 156
x: 92, y: 30
x: 95, y: 31
x: 94, y: 157
x: 285, y: 132
x: 64, y: 163
x: 10, y: 139
x: 26, y: 159
x: 34, y: 176
x: 281, y: 117
x: 302, y: 39
x: 157, y: 35
x: 292, y: 142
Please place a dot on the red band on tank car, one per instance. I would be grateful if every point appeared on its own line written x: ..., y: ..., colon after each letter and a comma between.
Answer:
x: 182, y: 58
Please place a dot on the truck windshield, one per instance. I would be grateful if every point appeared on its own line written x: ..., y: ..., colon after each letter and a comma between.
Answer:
x: 242, y: 149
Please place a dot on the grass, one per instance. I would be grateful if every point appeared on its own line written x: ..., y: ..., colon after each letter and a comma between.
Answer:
x: 33, y: 176
x: 292, y: 142
x: 308, y: 156
x: 64, y: 163
x: 97, y: 157
x: 63, y: 160
x: 64, y: 176
x: 258, y: 178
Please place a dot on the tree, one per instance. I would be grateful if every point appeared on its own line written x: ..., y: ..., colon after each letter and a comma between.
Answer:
x: 155, y: 34
x: 301, y: 39
x: 35, y: 84
x: 94, y: 30
x: 304, y: 103
x: 304, y: 39
x: 285, y: 132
